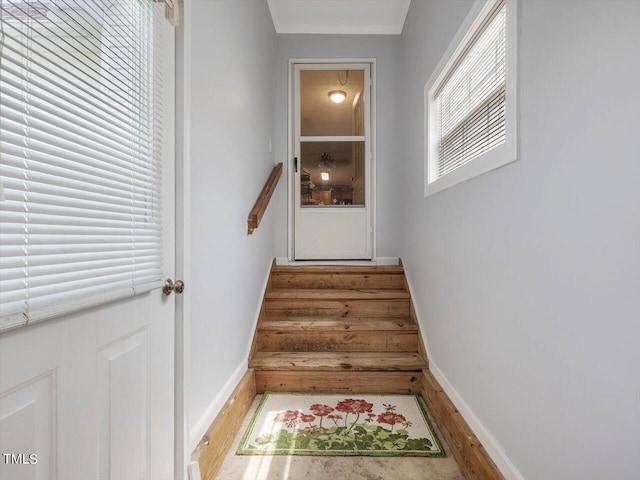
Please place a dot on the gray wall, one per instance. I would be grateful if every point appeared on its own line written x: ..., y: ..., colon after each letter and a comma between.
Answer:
x: 384, y: 49
x: 231, y: 117
x: 527, y: 278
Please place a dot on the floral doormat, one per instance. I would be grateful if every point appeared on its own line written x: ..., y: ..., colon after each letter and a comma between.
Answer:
x: 337, y: 424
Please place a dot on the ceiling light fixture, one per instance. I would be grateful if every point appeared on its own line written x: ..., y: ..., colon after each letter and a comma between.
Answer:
x: 337, y: 96
x: 324, y: 175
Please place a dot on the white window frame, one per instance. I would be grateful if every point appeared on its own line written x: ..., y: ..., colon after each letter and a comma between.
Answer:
x: 498, y: 156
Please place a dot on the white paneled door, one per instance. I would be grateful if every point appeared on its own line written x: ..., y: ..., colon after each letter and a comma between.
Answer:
x: 332, y: 195
x: 90, y: 395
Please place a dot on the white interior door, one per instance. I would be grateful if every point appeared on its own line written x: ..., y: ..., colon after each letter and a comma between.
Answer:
x: 332, y: 165
x: 90, y: 394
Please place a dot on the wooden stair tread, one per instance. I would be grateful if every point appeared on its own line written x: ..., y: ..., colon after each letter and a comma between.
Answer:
x: 336, y: 294
x: 332, y: 324
x: 337, y: 307
x: 338, y: 361
x: 338, y: 382
x: 337, y: 269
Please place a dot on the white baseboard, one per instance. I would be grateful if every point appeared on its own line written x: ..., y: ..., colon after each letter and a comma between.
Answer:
x: 202, y: 425
x: 378, y: 261
x: 489, y: 442
x: 388, y: 261
x: 193, y: 469
x: 212, y: 411
x: 257, y: 315
x: 214, y: 407
x: 423, y: 331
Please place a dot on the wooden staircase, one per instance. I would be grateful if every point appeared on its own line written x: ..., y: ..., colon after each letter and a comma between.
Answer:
x: 337, y: 329
x: 341, y: 330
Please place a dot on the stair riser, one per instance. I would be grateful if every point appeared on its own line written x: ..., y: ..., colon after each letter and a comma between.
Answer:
x: 338, y: 382
x: 336, y: 325
x: 318, y: 281
x: 338, y: 361
x: 361, y: 341
x: 337, y: 308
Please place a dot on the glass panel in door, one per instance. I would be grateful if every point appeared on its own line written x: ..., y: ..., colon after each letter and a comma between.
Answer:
x: 331, y: 102
x: 332, y: 174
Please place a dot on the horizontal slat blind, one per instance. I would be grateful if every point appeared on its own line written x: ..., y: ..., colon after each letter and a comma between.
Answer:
x: 80, y: 136
x: 471, y: 101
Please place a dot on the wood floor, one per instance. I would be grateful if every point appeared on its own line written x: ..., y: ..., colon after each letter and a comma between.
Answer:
x: 354, y: 322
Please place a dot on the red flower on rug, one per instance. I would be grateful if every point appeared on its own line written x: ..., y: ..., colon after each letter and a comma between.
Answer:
x: 350, y: 405
x: 321, y: 410
x: 291, y: 418
x: 391, y: 418
x: 287, y: 416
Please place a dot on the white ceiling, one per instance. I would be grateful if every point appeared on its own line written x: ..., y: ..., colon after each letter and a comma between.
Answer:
x: 339, y: 16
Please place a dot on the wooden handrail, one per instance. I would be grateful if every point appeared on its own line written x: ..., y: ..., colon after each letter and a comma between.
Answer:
x: 263, y: 199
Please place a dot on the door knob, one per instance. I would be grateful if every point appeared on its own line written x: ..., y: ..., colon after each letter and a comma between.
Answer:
x: 178, y: 287
x: 170, y: 286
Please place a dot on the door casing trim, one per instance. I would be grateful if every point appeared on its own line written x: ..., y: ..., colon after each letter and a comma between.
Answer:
x: 182, y: 446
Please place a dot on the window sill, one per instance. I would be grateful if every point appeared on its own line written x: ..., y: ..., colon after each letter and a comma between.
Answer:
x: 486, y: 162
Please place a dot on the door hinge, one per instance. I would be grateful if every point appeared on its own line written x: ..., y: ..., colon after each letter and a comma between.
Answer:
x: 295, y: 164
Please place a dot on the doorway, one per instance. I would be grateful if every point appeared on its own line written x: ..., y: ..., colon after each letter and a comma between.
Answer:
x: 331, y: 171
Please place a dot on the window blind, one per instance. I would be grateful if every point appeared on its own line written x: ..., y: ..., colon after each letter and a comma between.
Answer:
x: 80, y: 150
x: 471, y: 100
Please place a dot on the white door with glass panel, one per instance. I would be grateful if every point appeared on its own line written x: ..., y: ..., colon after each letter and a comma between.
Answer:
x: 332, y: 162
x: 86, y: 239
